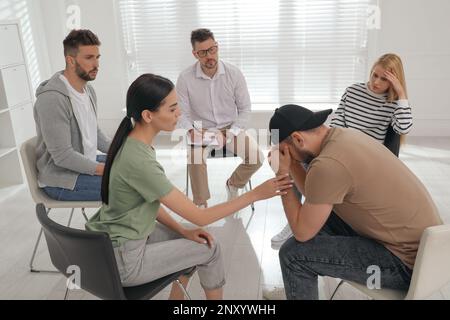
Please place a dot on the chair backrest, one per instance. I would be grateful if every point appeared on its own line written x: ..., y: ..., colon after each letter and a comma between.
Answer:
x: 432, y: 266
x: 91, y: 252
x: 392, y: 141
x: 28, y: 155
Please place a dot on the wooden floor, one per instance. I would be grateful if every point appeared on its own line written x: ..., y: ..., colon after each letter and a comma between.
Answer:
x: 251, y: 264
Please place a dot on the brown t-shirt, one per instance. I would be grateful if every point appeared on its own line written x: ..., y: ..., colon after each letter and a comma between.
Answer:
x: 372, y: 191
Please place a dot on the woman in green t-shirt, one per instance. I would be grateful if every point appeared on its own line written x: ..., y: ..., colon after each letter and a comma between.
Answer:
x: 148, y: 242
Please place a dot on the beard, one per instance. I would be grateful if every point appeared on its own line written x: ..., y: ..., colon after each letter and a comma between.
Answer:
x: 304, y: 156
x: 210, y: 64
x: 83, y: 74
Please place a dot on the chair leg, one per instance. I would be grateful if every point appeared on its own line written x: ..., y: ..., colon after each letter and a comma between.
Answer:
x: 251, y: 188
x: 187, y: 181
x: 66, y: 295
x: 252, y: 205
x: 249, y: 220
x: 35, y: 250
x: 183, y: 289
x: 70, y: 218
x: 337, y: 287
x: 83, y: 211
x: 37, y: 245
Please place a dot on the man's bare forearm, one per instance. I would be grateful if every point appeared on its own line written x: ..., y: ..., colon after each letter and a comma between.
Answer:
x: 291, y: 206
x: 298, y: 174
x: 291, y: 203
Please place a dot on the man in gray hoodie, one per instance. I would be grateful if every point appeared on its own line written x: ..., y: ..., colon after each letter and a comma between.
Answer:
x: 68, y: 136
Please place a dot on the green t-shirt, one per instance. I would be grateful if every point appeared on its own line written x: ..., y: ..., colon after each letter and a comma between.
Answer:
x: 137, y: 182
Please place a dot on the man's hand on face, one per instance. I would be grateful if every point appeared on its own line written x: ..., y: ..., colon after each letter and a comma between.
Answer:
x: 280, y: 159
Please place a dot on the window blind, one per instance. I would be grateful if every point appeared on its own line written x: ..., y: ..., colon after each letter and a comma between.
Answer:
x: 290, y: 51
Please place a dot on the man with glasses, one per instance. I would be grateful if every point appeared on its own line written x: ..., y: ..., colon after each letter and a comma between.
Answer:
x: 213, y: 96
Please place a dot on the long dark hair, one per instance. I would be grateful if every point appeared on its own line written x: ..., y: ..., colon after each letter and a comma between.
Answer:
x: 145, y: 93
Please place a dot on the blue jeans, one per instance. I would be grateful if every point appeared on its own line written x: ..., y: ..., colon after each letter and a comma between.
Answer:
x: 338, y: 251
x: 87, y: 188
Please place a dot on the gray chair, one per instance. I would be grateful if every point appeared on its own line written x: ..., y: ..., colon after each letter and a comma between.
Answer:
x: 93, y: 256
x: 28, y: 155
x: 431, y: 269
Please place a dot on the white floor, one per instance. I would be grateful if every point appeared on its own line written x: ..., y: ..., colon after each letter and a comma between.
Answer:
x: 251, y: 263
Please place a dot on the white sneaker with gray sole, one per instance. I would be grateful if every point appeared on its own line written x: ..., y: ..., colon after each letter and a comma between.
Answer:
x: 281, y: 237
x: 274, y: 293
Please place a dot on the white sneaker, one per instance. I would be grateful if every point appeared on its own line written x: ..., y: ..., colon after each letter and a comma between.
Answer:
x: 232, y: 192
x: 281, y: 237
x: 274, y: 293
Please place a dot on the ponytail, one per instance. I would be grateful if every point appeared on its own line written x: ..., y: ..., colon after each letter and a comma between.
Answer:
x: 122, y: 133
x: 145, y: 93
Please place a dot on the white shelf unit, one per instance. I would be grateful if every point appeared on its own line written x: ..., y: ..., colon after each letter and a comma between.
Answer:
x: 16, y: 106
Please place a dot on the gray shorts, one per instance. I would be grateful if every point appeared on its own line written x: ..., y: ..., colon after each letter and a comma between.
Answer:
x: 165, y: 252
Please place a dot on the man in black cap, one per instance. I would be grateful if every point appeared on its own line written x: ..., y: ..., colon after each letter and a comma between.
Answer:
x: 364, y: 210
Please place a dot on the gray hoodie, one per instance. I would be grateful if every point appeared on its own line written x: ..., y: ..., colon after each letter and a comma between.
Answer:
x: 59, y: 150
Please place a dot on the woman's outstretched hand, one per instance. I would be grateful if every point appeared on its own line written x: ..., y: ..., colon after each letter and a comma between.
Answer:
x: 277, y: 186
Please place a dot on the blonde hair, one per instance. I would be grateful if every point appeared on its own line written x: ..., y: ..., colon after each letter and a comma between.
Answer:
x: 392, y: 62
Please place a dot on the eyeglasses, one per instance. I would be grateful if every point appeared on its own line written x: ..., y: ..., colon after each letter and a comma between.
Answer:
x: 212, y: 50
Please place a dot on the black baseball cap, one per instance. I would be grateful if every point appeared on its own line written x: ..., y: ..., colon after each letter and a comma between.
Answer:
x: 291, y: 117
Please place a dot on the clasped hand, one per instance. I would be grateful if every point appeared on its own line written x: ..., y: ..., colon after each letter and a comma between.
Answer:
x: 280, y: 159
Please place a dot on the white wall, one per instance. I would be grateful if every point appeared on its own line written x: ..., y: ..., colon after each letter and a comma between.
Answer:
x: 419, y: 31
x: 100, y: 17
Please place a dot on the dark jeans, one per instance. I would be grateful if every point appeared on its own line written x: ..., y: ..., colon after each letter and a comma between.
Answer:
x: 87, y: 188
x: 337, y: 251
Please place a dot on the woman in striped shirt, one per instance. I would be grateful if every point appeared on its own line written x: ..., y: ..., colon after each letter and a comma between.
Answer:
x: 372, y: 107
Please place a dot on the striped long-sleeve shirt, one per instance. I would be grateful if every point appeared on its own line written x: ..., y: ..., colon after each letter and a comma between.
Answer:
x: 371, y: 113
